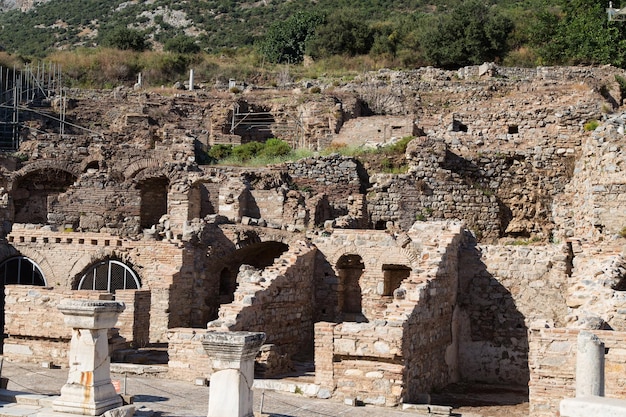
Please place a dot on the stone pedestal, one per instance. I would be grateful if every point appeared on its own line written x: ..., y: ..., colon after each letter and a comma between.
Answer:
x: 232, y: 354
x: 89, y: 390
x: 589, y: 365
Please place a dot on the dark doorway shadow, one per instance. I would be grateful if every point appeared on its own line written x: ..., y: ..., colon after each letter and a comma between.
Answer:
x: 492, y: 336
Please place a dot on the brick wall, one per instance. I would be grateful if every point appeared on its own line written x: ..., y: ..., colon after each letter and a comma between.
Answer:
x: 35, y: 327
x: 187, y: 358
x: 134, y: 321
x: 64, y: 256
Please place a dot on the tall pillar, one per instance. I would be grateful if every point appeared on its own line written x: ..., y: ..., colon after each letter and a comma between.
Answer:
x: 191, y: 80
x: 589, y: 365
x: 232, y: 354
x: 89, y: 390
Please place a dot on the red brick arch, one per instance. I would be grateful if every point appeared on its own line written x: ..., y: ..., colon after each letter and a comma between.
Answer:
x: 88, y: 259
x: 135, y: 167
x: 42, y: 166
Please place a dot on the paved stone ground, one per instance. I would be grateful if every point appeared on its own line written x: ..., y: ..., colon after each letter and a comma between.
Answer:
x: 168, y: 398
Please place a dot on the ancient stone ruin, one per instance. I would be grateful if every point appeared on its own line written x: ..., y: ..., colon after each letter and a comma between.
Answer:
x: 480, y: 264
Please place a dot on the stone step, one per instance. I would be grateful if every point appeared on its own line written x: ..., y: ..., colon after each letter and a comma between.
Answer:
x: 285, y: 385
x: 20, y: 410
x: 137, y: 369
x: 23, y: 398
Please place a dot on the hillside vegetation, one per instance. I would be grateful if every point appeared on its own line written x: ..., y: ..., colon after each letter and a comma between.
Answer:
x: 168, y: 36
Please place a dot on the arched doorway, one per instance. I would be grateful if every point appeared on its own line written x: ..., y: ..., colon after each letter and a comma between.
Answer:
x: 19, y: 270
x: 109, y: 275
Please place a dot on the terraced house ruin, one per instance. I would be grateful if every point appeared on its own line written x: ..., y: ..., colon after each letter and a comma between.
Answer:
x: 480, y: 263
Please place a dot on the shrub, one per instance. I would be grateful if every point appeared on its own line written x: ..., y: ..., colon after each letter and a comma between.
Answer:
x: 399, y: 146
x: 247, y: 151
x: 275, y: 148
x: 218, y: 152
x: 591, y: 125
x: 181, y: 44
x: 125, y: 39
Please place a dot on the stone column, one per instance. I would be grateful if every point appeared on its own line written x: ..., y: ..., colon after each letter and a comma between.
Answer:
x: 89, y: 390
x: 589, y: 365
x: 232, y: 354
x: 191, y: 80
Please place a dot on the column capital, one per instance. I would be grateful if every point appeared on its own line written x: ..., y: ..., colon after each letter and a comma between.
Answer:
x: 233, y: 346
x: 90, y: 314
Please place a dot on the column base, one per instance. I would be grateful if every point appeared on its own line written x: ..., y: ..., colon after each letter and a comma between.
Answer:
x: 87, y: 401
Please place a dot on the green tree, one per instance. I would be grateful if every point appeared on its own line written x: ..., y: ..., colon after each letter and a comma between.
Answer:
x: 585, y: 36
x: 181, y: 44
x: 125, y: 39
x: 471, y: 33
x: 342, y: 33
x: 286, y: 41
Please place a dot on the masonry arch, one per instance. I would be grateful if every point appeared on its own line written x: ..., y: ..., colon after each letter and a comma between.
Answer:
x: 37, y: 258
x: 90, y: 165
x: 34, y: 193
x: 108, y: 275
x: 259, y: 255
x: 18, y: 270
x: 21, y: 270
x: 48, y: 165
x: 384, y: 266
x: 137, y: 166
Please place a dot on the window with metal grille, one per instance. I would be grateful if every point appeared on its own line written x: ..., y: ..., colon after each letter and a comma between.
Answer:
x: 21, y: 270
x: 109, y: 276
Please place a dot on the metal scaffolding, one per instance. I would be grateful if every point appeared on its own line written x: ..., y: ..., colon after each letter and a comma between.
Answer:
x: 281, y: 124
x: 24, y: 90
x: 616, y: 15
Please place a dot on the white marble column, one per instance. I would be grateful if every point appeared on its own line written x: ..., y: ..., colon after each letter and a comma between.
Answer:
x: 89, y: 390
x: 232, y: 354
x: 589, y: 365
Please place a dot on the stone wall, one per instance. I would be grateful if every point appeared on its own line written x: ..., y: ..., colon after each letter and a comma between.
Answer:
x: 374, y: 130
x: 277, y: 300
x: 503, y: 290
x: 335, y: 176
x: 595, y: 291
x: 405, y: 344
x: 496, y: 193
x: 592, y: 205
x: 552, y: 363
